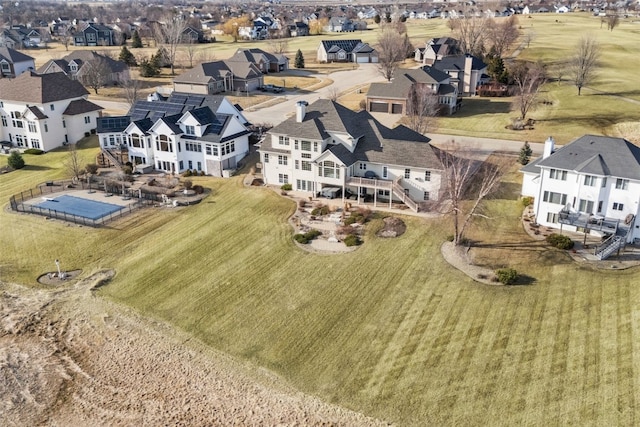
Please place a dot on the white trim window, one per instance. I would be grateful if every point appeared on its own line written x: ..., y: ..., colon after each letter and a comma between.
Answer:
x: 622, y: 184
x: 283, y: 178
x: 282, y: 160
x: 558, y: 174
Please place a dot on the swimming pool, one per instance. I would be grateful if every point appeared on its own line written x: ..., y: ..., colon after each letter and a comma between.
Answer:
x: 77, y: 206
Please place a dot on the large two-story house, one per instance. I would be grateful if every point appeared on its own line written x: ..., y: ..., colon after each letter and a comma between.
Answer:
x: 393, y: 97
x: 327, y: 145
x: 591, y: 184
x: 214, y: 77
x: 45, y: 111
x: 466, y: 71
x: 94, y: 35
x: 74, y: 65
x: 205, y: 134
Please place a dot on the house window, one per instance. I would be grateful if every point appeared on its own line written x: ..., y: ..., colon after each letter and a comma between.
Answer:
x: 181, y: 165
x: 306, y: 155
x: 208, y: 150
x: 297, y: 164
x: 295, y: 144
x: 87, y: 119
x: 383, y: 193
x: 190, y: 130
x: 282, y: 160
x: 552, y: 217
x: 590, y: 180
x: 600, y: 206
x: 190, y: 164
x: 557, y: 198
x: 385, y: 172
x: 407, y: 173
x: 35, y: 143
x: 214, y: 150
x: 425, y: 196
x: 283, y: 178
x: 20, y: 141
x: 64, y: 124
x: 315, y: 147
x: 306, y: 165
x: 622, y: 184
x: 585, y: 206
x: 329, y: 169
x: 283, y: 140
x: 604, y: 182
x: 4, y: 121
x: 427, y: 176
x: 363, y: 166
x: 266, y: 157
x: 16, y: 119
x: 135, y: 141
x: 46, y: 127
x: 163, y: 144
x: 32, y: 126
x: 193, y: 146
x: 199, y: 166
x: 618, y: 206
x: 558, y: 174
x: 53, y: 107
x: 305, y: 145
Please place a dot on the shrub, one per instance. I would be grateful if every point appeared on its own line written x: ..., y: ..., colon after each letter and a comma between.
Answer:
x: 127, y: 170
x: 320, y: 210
x: 35, y: 151
x: 202, y: 173
x: 302, y: 203
x: 15, y: 160
x: 349, y: 220
x: 352, y: 240
x: 507, y: 276
x: 526, y: 201
x: 188, y: 184
x: 312, y: 234
x: 286, y: 187
x: 199, y: 189
x: 300, y: 239
x: 450, y: 238
x: 91, y: 168
x: 560, y: 241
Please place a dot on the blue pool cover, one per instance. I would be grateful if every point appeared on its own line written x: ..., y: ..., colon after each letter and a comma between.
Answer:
x: 85, y: 208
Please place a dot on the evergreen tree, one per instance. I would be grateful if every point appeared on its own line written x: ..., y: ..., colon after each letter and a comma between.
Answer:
x: 127, y: 57
x: 376, y: 19
x: 136, y: 42
x: 525, y: 154
x: 149, y: 67
x: 299, y: 61
x: 15, y: 160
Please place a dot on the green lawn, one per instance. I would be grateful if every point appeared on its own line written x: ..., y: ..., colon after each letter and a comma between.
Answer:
x: 389, y: 330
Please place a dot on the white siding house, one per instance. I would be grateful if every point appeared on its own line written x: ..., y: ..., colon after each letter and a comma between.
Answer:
x: 45, y: 111
x: 592, y: 183
x: 186, y: 132
x: 328, y: 145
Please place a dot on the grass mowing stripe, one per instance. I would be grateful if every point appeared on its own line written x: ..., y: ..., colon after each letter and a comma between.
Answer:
x: 626, y: 405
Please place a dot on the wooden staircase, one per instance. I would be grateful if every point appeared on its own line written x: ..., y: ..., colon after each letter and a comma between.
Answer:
x: 398, y: 191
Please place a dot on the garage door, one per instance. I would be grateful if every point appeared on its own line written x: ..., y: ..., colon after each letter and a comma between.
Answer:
x: 362, y: 59
x: 396, y: 108
x: 378, y: 107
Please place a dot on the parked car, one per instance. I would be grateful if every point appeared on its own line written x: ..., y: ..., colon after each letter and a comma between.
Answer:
x: 271, y: 88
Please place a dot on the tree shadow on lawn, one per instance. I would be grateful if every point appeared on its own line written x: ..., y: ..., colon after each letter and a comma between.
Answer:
x: 506, y: 191
x: 623, y: 94
x: 34, y: 168
x: 524, y: 279
x: 600, y: 121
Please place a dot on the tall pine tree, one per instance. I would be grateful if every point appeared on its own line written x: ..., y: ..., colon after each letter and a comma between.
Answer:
x: 127, y: 57
x: 299, y: 61
x: 525, y: 154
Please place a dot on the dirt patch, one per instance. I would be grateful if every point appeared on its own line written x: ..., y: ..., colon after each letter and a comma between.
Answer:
x: 70, y: 357
x: 457, y: 256
x: 393, y: 227
x: 52, y: 278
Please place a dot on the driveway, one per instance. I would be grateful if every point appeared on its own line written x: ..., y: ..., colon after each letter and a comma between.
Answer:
x: 343, y: 81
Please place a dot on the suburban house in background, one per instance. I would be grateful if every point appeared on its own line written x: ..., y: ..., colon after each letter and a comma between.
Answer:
x: 466, y: 71
x: 589, y: 185
x: 436, y: 49
x: 327, y: 145
x: 346, y: 51
x: 341, y: 24
x: 201, y: 133
x: 210, y: 78
x: 299, y: 29
x: 94, y: 35
x: 45, y: 111
x: 14, y: 63
x: 74, y: 66
x: 20, y: 37
x: 393, y: 97
x: 264, y: 61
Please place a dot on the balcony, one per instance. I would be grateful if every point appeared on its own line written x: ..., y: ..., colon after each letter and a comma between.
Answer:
x: 594, y: 222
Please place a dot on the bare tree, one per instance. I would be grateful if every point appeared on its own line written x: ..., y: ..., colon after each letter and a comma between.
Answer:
x: 584, y: 62
x: 278, y: 46
x: 95, y: 73
x: 190, y: 50
x: 528, y: 37
x: 502, y: 35
x: 72, y: 162
x: 333, y: 94
x: 64, y: 36
x: 613, y: 20
x: 206, y: 55
x: 391, y: 50
x: 422, y: 108
x: 470, y: 32
x: 131, y: 89
x: 169, y: 36
x: 528, y: 79
x: 467, y: 183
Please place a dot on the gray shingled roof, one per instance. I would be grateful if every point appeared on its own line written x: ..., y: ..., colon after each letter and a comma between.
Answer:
x: 401, y: 84
x: 30, y: 87
x: 456, y: 62
x: 376, y: 143
x: 80, y: 106
x: 40, y: 115
x: 13, y: 56
x: 594, y: 155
